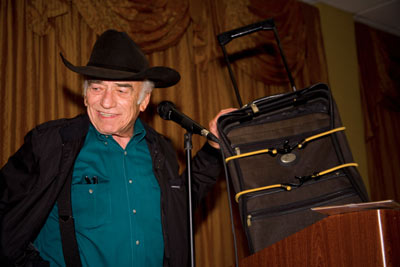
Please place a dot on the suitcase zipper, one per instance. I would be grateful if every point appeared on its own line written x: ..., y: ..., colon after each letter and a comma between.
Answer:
x: 277, y: 143
x: 277, y: 188
x: 249, y: 220
x: 303, y: 205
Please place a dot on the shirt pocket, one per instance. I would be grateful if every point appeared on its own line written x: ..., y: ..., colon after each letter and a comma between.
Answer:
x: 91, y: 205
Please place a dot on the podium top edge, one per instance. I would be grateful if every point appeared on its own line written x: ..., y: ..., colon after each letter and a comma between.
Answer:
x: 354, y: 207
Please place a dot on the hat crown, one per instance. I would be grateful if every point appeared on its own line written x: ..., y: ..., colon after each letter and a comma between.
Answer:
x: 115, y: 50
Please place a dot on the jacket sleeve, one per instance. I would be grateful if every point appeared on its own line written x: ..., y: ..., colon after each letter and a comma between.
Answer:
x: 16, y: 175
x: 18, y: 178
x: 206, y: 168
x: 15, y: 183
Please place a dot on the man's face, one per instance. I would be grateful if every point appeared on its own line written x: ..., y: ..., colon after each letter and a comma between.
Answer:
x: 112, y: 106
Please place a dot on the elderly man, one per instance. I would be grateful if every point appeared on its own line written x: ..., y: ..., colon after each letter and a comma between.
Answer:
x: 102, y: 189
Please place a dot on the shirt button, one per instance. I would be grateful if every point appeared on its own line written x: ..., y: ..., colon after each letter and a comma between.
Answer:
x: 125, y: 153
x: 137, y: 242
x: 105, y: 143
x: 90, y: 191
x: 134, y: 211
x: 130, y: 181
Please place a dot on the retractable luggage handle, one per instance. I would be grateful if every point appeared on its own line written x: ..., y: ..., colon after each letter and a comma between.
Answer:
x: 228, y: 36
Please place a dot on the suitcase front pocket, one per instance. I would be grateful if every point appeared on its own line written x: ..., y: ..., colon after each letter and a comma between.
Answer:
x: 270, y: 225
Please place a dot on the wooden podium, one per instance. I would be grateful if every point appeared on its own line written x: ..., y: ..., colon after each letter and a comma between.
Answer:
x: 361, y: 238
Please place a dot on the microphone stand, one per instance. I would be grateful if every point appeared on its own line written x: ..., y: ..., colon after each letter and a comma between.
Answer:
x: 188, y: 148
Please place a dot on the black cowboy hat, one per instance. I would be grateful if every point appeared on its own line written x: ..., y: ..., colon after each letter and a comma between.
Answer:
x: 115, y: 56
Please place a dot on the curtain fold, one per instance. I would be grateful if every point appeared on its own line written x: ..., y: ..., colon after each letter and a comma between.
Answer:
x: 37, y: 87
x: 153, y: 24
x: 378, y: 58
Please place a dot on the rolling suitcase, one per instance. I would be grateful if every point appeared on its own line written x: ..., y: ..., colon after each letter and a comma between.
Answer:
x: 286, y: 154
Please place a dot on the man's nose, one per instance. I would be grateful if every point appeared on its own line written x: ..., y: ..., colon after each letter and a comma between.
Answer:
x: 107, y: 100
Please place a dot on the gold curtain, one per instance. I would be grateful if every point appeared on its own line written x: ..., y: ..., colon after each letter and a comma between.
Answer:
x: 378, y: 58
x: 153, y: 24
x: 36, y: 87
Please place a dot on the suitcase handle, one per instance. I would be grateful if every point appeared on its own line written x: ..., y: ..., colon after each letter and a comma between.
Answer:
x: 226, y: 37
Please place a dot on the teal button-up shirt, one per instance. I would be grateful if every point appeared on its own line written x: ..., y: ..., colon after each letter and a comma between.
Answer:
x: 116, y: 205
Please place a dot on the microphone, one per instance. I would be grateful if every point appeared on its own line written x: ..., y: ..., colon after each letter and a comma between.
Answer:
x: 167, y: 110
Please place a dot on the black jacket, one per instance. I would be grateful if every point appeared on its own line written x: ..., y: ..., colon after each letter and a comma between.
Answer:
x: 33, y: 177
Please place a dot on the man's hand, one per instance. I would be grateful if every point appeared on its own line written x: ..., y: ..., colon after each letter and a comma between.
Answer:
x: 212, y: 125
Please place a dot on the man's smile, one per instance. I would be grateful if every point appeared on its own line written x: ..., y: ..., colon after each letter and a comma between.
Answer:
x: 107, y: 115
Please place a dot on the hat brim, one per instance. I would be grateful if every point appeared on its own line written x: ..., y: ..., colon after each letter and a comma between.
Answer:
x: 161, y: 76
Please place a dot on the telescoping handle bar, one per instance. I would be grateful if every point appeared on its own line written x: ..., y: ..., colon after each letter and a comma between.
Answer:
x: 225, y: 37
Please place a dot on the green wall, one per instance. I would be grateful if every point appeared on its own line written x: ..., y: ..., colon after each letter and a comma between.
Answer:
x: 341, y: 54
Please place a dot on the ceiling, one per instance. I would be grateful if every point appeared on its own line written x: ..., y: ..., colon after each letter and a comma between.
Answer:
x: 380, y: 14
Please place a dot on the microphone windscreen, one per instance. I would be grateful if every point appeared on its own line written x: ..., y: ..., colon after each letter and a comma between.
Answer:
x: 164, y: 109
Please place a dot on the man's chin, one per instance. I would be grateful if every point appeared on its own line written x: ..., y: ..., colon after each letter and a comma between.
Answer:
x: 105, y: 130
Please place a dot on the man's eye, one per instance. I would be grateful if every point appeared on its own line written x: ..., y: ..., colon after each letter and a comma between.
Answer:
x: 96, y: 89
x: 124, y: 90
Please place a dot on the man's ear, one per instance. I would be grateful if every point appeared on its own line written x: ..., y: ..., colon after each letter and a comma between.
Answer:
x: 143, y: 105
x: 85, y: 101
